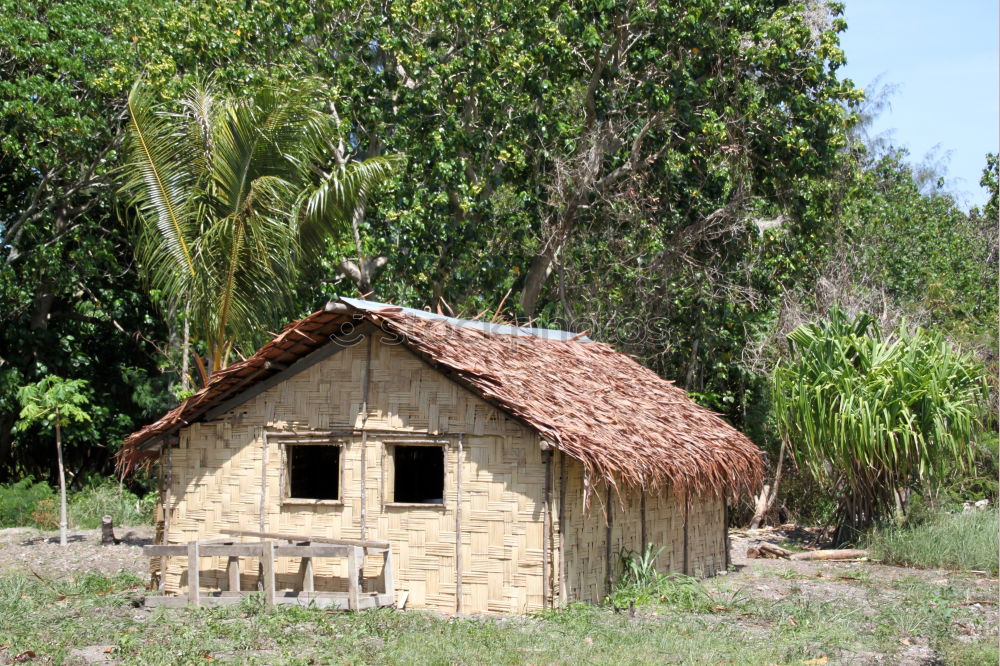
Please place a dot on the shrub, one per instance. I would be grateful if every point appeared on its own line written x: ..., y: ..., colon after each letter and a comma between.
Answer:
x: 866, y: 413
x: 965, y: 540
x: 640, y: 569
x: 642, y: 584
x: 45, y: 515
x: 108, y: 498
x: 19, y: 504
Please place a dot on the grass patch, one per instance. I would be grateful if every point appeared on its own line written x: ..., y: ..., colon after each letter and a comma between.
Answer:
x: 54, y: 619
x: 27, y: 503
x: 965, y: 541
x: 88, y: 505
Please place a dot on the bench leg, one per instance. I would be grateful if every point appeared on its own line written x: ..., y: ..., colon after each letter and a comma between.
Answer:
x: 194, y: 581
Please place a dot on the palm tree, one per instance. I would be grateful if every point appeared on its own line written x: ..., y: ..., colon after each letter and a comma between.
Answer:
x: 230, y: 195
x: 869, y: 416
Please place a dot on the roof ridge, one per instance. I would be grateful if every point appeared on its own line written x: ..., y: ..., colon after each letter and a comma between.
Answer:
x: 488, y: 327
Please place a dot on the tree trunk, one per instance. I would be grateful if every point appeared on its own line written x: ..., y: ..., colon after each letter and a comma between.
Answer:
x: 760, y: 506
x: 769, y: 493
x: 364, y: 281
x: 901, y: 497
x: 186, y: 350
x: 833, y: 554
x: 538, y: 273
x: 543, y: 263
x: 6, y: 445
x: 63, y: 522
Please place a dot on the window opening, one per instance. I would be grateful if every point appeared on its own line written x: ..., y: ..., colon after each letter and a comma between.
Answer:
x: 314, y: 471
x: 418, y: 474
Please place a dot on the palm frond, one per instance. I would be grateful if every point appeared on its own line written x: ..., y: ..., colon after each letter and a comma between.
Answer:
x: 326, y: 207
x: 227, y: 191
x: 159, y: 184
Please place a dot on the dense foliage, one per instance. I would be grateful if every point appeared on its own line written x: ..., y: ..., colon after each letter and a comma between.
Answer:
x: 680, y: 179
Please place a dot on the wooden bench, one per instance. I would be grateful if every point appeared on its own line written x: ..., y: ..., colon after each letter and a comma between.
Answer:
x: 270, y: 547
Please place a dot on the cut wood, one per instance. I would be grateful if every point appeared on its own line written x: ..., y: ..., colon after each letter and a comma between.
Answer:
x: 841, y: 554
x: 368, y: 543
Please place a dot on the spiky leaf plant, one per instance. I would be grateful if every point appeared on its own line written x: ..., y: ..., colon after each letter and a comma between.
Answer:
x: 870, y: 416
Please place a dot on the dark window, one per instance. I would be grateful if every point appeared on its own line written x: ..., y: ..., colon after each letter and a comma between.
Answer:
x: 418, y: 474
x: 314, y: 472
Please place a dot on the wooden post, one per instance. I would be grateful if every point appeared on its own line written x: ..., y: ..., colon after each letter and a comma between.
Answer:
x: 363, y: 485
x: 193, y: 575
x: 459, y: 602
x: 609, y: 565
x: 725, y: 530
x: 263, y: 483
x: 548, y: 582
x: 308, y: 578
x: 687, y: 571
x: 388, y: 580
x: 353, y: 596
x: 642, y: 519
x: 165, y: 500
x: 365, y: 388
x: 563, y: 592
x: 233, y: 568
x: 156, y: 563
x: 267, y: 562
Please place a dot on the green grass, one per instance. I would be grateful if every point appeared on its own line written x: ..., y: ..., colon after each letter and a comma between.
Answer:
x: 963, y: 541
x: 88, y: 505
x: 26, y: 503
x: 19, y: 503
x: 689, y: 626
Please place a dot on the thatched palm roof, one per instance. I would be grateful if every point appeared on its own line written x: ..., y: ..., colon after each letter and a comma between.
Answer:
x: 618, y: 418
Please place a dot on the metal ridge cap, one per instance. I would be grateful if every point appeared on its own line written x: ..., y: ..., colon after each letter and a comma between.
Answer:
x: 485, y: 326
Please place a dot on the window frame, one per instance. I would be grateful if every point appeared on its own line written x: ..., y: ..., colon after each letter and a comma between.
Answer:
x: 389, y: 473
x: 286, y: 473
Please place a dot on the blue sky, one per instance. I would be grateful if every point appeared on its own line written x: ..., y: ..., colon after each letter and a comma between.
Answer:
x: 943, y: 58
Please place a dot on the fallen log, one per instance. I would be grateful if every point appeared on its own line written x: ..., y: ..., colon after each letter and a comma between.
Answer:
x: 837, y: 554
x: 768, y: 551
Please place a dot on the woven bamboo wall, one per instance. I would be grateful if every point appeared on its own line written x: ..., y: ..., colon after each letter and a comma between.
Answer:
x: 217, y: 469
x: 586, y: 534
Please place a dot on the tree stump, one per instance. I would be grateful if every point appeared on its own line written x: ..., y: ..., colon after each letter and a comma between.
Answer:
x: 108, y: 532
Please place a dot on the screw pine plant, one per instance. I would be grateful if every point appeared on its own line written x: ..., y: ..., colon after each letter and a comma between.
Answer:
x: 870, y: 416
x: 53, y: 402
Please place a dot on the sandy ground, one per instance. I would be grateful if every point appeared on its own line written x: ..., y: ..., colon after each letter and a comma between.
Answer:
x: 830, y: 580
x: 38, y: 553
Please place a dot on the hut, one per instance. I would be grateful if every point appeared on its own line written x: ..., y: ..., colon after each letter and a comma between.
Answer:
x: 505, y: 467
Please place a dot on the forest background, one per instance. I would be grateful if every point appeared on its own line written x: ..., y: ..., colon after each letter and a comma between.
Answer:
x: 688, y: 181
